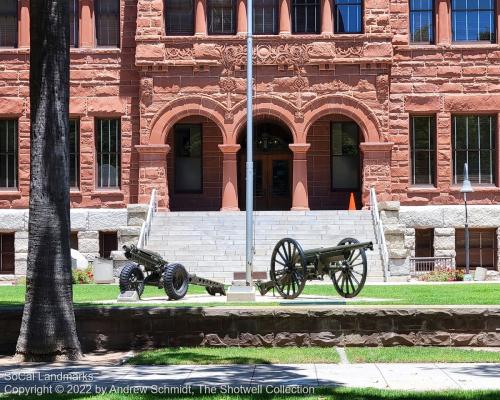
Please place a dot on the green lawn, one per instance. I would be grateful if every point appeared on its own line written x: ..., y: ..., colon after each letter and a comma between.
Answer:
x: 309, y: 355
x: 473, y: 294
x: 402, y: 354
x: 319, y: 394
x: 237, y: 355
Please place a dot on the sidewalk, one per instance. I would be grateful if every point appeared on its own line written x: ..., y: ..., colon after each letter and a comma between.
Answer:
x: 383, y: 376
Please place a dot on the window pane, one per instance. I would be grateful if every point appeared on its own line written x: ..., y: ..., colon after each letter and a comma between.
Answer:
x: 348, y: 16
x: 73, y: 22
x: 421, y: 21
x: 345, y: 155
x: 473, y: 20
x: 474, y: 143
x: 306, y: 16
x: 8, y: 23
x: 221, y: 17
x: 7, y: 253
x: 108, y: 153
x: 179, y: 17
x: 424, y: 242
x: 265, y: 17
x: 482, y: 248
x: 108, y: 242
x: 108, y: 23
x: 188, y: 158
x: 423, y: 132
x: 74, y: 152
x: 8, y: 154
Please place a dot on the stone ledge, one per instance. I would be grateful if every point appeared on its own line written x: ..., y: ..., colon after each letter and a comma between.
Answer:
x: 113, y: 328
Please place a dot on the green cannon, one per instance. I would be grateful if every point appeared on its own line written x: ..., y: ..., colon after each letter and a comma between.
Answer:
x: 155, y: 271
x: 291, y: 267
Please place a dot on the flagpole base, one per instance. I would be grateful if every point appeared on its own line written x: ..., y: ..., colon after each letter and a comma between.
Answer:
x: 240, y: 292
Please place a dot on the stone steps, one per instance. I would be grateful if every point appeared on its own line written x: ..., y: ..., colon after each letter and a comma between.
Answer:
x: 212, y: 244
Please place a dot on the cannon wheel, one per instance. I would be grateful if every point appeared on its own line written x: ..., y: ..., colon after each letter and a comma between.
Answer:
x: 175, y: 281
x: 350, y: 278
x: 131, y: 278
x: 288, y: 268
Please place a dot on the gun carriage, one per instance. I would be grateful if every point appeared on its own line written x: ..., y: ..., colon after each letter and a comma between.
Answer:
x: 291, y: 267
x: 149, y: 268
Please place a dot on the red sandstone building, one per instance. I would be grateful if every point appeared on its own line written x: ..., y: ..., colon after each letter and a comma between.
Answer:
x: 349, y: 94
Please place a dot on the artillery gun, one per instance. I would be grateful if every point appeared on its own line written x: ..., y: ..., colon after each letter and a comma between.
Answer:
x: 291, y: 267
x: 156, y: 271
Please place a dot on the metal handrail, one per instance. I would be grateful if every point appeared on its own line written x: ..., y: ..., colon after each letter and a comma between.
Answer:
x: 379, y: 232
x: 146, y: 225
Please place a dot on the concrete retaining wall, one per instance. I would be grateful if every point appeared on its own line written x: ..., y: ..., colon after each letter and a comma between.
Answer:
x: 144, y: 328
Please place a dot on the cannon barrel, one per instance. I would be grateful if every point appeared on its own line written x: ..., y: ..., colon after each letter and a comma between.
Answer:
x: 335, y: 251
x: 148, y: 258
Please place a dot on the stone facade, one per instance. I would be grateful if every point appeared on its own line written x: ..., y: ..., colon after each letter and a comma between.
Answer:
x: 302, y: 82
x: 87, y: 223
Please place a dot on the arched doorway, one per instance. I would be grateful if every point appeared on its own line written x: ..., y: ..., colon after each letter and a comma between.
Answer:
x: 272, y: 168
x: 334, y: 163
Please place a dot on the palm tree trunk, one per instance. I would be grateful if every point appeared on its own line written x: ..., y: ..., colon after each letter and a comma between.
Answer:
x: 48, y: 329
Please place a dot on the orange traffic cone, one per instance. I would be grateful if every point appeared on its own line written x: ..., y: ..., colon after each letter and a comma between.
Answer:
x: 352, y: 203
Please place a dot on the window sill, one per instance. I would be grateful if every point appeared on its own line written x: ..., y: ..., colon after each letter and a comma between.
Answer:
x: 451, y: 46
x: 107, y: 192
x: 95, y: 50
x: 423, y: 189
x: 10, y: 193
x: 485, y: 188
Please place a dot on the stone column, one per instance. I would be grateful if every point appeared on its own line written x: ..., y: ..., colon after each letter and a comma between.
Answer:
x: 285, y: 17
x: 86, y: 23
x: 443, y: 22
x: 24, y: 23
x: 229, y: 177
x: 444, y: 243
x: 201, y: 18
x: 300, y: 198
x: 153, y: 173
x: 242, y: 17
x: 376, y: 169
x: 327, y: 17
x: 21, y: 252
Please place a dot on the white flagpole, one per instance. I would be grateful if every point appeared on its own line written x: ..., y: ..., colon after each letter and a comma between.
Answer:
x: 249, y: 164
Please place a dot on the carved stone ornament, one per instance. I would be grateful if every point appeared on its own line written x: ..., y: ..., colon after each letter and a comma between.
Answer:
x: 147, y: 91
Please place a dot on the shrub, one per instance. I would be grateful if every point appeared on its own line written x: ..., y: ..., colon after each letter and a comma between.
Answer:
x: 83, y: 276
x: 443, y: 275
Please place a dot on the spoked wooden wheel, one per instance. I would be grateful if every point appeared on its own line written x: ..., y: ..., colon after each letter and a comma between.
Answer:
x: 288, y: 268
x: 350, y: 274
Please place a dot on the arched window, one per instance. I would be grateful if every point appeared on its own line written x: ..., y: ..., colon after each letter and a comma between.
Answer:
x: 8, y: 23
x: 221, y: 17
x: 306, y: 16
x: 179, y: 17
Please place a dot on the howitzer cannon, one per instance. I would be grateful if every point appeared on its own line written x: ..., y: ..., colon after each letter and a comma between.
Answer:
x: 157, y: 272
x: 291, y: 267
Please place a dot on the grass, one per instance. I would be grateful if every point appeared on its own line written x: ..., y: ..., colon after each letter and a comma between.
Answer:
x: 467, y: 294
x: 310, y: 355
x: 319, y: 394
x: 236, y: 355
x: 401, y: 354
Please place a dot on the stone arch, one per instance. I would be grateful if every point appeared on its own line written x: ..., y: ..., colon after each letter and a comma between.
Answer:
x: 272, y: 108
x: 178, y: 109
x: 347, y: 106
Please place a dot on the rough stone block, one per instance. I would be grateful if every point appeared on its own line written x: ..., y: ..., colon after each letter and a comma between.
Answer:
x: 107, y: 219
x: 13, y: 220
x: 79, y: 219
x: 389, y: 205
x: 444, y: 242
x: 399, y: 267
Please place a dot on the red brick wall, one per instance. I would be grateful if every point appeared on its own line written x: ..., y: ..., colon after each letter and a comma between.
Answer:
x: 210, y: 198
x: 104, y: 83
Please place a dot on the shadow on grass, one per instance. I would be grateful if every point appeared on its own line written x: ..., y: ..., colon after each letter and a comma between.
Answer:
x: 174, y: 356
